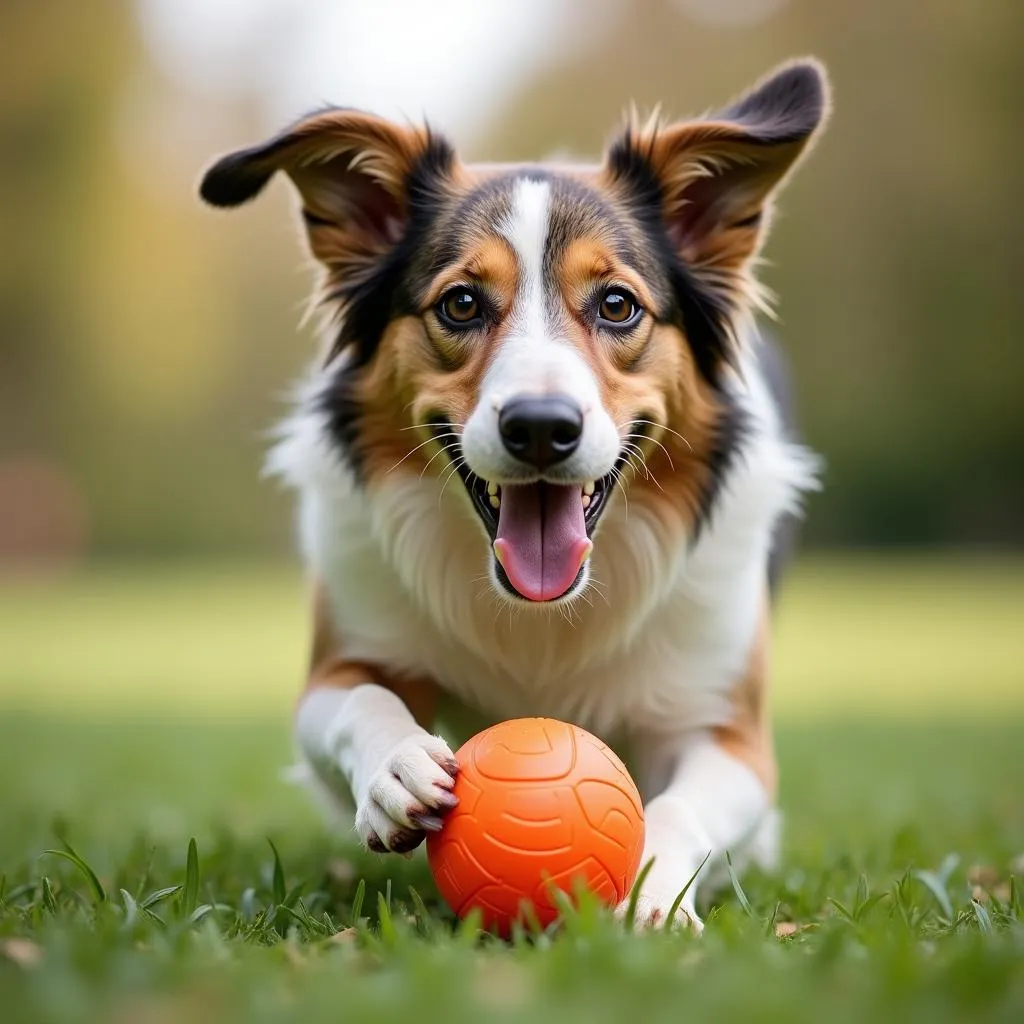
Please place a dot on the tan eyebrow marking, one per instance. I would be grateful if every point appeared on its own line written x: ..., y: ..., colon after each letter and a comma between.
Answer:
x: 491, y: 262
x: 587, y: 261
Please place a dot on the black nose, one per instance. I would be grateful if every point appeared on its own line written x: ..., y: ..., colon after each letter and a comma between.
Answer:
x: 541, y: 430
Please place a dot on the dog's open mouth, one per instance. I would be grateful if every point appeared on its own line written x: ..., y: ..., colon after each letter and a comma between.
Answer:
x: 540, y: 531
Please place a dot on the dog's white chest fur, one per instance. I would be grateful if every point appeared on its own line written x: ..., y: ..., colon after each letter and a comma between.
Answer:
x: 661, y: 637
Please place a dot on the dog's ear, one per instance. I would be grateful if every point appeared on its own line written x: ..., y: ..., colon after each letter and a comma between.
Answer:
x: 713, y: 179
x: 357, y: 175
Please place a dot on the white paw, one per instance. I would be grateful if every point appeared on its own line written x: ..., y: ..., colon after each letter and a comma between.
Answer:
x: 407, y: 795
x: 652, y: 912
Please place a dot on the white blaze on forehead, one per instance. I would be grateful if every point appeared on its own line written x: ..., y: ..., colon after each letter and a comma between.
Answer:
x: 525, y: 228
x: 533, y: 358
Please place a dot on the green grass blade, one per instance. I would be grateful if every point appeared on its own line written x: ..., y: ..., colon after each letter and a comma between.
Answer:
x: 292, y: 895
x: 528, y: 915
x: 424, y: 921
x: 159, y: 896
x: 469, y: 928
x: 277, y: 886
x: 191, y: 896
x: 357, y: 903
x: 47, y: 895
x: 678, y: 901
x: 98, y: 892
x: 840, y: 909
x: 736, y: 887
x: 388, y: 932
x: 984, y: 921
x: 869, y: 904
x: 634, y: 894
x: 934, y: 884
x: 200, y: 912
x: 861, y: 896
x: 131, y: 910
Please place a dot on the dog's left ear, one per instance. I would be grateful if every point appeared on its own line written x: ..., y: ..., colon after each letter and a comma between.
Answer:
x: 357, y: 176
x: 713, y: 179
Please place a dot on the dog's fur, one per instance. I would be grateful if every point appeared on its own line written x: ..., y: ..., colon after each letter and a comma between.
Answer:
x: 659, y: 641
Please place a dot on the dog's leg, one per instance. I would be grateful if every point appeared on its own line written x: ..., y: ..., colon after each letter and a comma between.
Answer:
x: 719, y: 787
x: 713, y: 803
x: 362, y: 740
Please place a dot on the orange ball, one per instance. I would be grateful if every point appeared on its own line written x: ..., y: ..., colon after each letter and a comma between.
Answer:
x: 541, y: 803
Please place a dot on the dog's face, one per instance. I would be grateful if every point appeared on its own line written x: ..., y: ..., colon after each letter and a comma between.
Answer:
x: 550, y: 336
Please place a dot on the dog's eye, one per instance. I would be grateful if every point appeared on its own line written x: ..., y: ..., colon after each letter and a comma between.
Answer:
x: 459, y: 306
x: 619, y: 307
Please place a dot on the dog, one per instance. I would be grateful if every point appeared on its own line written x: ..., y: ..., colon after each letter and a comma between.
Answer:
x: 542, y: 465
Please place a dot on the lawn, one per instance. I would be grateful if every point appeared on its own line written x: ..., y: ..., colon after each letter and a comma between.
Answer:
x: 141, y: 709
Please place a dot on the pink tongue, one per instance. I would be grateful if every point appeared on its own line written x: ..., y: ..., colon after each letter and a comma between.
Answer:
x: 542, y: 538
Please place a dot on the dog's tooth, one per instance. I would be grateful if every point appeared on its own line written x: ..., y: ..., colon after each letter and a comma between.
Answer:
x: 495, y: 501
x: 586, y: 552
x: 492, y: 488
x: 588, y: 488
x: 586, y: 500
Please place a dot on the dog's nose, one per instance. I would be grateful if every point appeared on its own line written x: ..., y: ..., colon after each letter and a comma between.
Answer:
x: 541, y: 430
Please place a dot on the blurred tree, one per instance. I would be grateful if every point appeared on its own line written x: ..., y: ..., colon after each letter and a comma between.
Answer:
x: 146, y: 342
x: 142, y: 355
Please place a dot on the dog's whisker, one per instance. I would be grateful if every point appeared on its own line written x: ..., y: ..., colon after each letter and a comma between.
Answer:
x: 635, y: 452
x: 600, y: 588
x: 648, y: 475
x: 425, y: 426
x: 653, y: 440
x: 455, y: 468
x: 617, y: 477
x: 442, y: 451
x: 666, y: 428
x: 422, y: 444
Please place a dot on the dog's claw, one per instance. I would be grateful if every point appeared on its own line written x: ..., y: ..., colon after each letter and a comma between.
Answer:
x: 427, y: 822
x: 446, y: 801
x: 405, y: 840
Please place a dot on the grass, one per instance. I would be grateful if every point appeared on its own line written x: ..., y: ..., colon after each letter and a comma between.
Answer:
x: 904, y: 803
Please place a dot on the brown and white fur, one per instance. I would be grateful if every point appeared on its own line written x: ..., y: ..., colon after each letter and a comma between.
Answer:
x: 453, y: 292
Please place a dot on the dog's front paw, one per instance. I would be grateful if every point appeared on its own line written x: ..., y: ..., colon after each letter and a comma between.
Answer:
x: 652, y: 912
x: 407, y: 795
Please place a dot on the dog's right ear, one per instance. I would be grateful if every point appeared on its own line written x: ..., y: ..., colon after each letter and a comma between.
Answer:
x: 357, y: 176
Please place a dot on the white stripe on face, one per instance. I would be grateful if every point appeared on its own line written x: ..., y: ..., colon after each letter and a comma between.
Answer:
x: 525, y: 228
x: 534, y: 359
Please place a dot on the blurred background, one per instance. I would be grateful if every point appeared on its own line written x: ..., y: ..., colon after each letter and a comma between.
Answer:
x: 147, y: 343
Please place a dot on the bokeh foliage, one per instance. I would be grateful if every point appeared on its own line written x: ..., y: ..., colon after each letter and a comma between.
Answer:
x: 147, y: 342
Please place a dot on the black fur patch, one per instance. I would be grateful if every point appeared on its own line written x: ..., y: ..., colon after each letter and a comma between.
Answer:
x: 240, y: 176
x: 786, y: 108
x: 730, y: 432
x: 370, y: 301
x: 703, y: 313
x: 339, y: 403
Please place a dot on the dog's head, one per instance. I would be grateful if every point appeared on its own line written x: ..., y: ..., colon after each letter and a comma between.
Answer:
x: 539, y: 330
